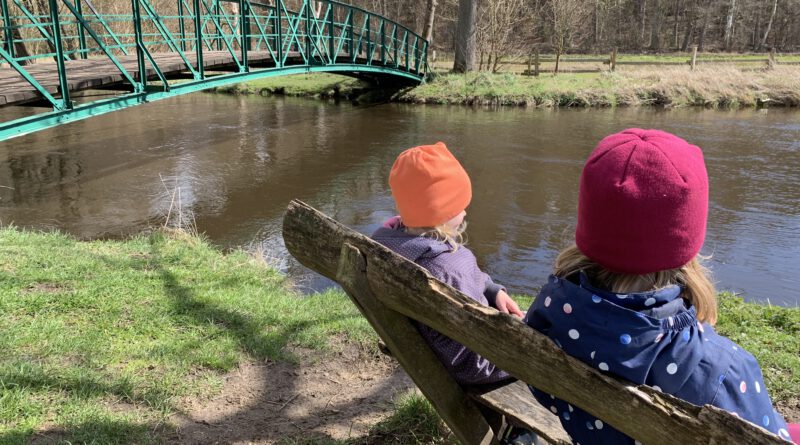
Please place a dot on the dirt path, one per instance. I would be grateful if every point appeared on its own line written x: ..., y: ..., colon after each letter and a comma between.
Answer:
x: 330, y: 397
x: 335, y: 396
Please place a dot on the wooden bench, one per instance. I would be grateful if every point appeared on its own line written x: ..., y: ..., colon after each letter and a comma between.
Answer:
x: 390, y: 291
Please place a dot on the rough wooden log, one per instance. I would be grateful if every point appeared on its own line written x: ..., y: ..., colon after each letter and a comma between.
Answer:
x: 451, y: 402
x: 639, y: 411
x: 515, y: 401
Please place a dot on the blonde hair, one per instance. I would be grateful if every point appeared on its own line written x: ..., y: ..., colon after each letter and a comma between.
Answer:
x: 693, y: 277
x: 451, y: 235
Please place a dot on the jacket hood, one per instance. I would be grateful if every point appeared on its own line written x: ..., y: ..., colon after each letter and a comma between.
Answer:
x: 648, y: 337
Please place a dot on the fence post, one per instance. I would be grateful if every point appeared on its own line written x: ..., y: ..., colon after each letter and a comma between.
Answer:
x: 613, y: 61
x: 7, y: 31
x: 771, y: 61
x: 694, y: 56
x: 536, y: 62
x: 530, y: 64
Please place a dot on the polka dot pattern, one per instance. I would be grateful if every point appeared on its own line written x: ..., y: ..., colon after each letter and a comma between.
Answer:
x: 618, y: 334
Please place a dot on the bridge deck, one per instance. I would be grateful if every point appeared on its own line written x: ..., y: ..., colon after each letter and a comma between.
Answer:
x: 101, y: 72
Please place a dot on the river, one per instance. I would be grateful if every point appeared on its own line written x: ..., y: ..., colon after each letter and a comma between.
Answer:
x: 237, y: 161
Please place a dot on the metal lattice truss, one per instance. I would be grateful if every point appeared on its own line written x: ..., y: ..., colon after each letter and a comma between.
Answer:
x: 198, y: 44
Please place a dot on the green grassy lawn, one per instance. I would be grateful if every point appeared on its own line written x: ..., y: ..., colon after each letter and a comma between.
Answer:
x: 101, y: 339
x: 314, y: 85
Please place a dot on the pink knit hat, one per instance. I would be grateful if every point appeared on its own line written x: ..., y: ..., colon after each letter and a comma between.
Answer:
x: 643, y: 202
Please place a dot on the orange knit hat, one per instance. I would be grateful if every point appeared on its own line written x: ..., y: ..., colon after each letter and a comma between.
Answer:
x: 429, y: 185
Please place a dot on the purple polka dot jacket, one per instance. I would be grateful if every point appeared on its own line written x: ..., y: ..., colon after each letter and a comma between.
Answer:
x: 459, y: 269
x: 650, y: 338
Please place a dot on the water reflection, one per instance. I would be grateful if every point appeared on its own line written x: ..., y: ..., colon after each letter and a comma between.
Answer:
x: 233, y: 163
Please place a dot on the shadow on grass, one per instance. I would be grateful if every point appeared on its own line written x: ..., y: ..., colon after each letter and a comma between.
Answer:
x: 255, y: 422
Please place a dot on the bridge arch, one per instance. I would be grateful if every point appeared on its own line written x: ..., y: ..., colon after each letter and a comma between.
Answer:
x: 150, y: 54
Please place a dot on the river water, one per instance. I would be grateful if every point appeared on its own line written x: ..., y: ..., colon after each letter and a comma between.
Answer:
x: 233, y: 163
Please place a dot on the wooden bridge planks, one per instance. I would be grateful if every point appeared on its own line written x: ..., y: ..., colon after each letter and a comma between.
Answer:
x: 101, y: 72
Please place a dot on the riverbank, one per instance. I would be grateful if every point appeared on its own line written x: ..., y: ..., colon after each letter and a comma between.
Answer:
x: 163, y: 338
x: 715, y: 86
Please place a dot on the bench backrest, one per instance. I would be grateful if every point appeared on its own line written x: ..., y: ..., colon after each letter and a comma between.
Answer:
x: 389, y: 290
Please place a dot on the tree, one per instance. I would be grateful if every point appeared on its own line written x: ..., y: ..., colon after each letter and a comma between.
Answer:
x: 567, y: 18
x: 769, y: 25
x: 430, y: 20
x: 466, y: 36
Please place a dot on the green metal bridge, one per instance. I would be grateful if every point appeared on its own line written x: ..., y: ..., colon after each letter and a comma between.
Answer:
x: 147, y: 53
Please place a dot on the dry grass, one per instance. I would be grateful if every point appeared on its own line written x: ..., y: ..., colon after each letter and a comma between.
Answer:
x: 718, y: 86
x: 714, y: 86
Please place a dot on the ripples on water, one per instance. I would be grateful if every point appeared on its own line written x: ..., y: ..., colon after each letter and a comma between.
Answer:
x: 237, y: 161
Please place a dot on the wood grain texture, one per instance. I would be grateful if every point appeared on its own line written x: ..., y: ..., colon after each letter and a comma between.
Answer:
x: 515, y: 401
x: 410, y: 349
x: 639, y: 411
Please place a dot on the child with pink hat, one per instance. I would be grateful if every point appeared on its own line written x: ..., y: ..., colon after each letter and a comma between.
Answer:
x: 631, y: 296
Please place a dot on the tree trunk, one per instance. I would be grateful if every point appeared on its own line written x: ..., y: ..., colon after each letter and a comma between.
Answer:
x: 643, y: 12
x: 20, y: 50
x: 677, y: 22
x: 465, y: 36
x: 430, y: 20
x: 769, y: 25
x: 729, y: 25
x: 558, y: 59
x: 703, y: 28
x: 655, y: 26
x: 688, y: 36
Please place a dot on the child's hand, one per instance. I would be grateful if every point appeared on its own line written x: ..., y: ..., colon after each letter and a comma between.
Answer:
x: 504, y: 303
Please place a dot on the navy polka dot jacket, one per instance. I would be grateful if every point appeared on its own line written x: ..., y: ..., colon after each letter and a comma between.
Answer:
x: 649, y: 338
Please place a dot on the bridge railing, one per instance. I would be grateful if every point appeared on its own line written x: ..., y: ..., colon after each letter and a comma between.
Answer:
x: 333, y: 34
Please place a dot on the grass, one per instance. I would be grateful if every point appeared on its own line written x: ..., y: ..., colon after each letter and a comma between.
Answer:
x: 101, y: 339
x: 772, y: 335
x: 322, y: 85
x: 722, y: 86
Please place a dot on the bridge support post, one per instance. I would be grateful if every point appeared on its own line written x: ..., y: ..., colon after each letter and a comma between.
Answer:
x: 279, y: 26
x: 62, y: 70
x: 369, y: 39
x: 244, y: 11
x: 8, y: 33
x: 383, y: 41
x: 309, y: 48
x: 81, y: 32
x: 181, y: 26
x: 140, y: 62
x: 331, y: 26
x: 198, y: 34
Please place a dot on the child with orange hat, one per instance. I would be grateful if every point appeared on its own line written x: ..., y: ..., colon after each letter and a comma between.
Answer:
x: 631, y: 298
x: 431, y: 191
